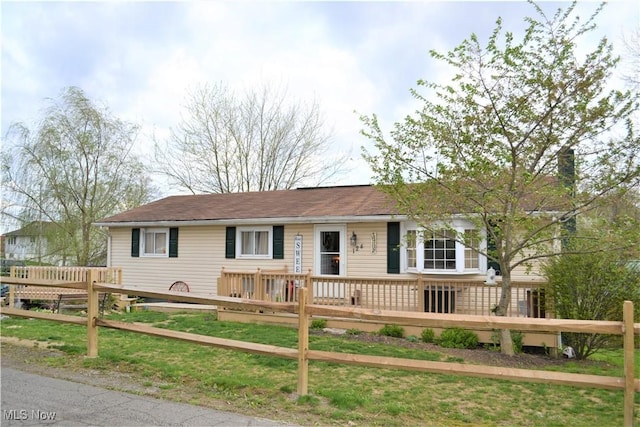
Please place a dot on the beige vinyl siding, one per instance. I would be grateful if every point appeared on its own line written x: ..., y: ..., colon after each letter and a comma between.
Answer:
x: 290, y: 232
x: 201, y: 256
x: 365, y: 262
x: 200, y: 253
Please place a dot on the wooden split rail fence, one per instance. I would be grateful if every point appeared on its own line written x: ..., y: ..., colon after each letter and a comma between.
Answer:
x: 303, y: 354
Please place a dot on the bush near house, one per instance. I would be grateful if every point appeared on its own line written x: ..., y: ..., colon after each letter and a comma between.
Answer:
x: 7, y: 264
x: 318, y: 324
x: 395, y: 331
x: 428, y: 335
x: 591, y: 286
x: 458, y: 338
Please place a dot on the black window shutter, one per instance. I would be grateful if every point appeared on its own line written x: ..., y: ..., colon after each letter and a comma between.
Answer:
x: 278, y: 242
x: 173, y: 243
x: 230, y: 243
x: 135, y: 242
x: 393, y: 247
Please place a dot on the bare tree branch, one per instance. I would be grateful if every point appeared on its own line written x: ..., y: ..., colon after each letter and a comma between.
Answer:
x: 256, y: 141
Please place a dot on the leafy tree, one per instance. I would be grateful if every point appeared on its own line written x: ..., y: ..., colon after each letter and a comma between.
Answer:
x: 72, y: 169
x: 591, y: 286
x: 490, y: 143
x: 252, y: 142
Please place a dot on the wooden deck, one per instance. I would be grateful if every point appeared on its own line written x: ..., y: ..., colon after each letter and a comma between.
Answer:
x: 452, y: 296
x: 35, y: 283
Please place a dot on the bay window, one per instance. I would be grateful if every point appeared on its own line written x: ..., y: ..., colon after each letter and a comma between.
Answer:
x: 441, y: 250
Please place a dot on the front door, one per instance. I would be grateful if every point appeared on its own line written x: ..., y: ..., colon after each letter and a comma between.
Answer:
x: 330, y: 247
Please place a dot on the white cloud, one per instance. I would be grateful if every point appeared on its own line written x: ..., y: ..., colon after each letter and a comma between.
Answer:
x: 140, y: 57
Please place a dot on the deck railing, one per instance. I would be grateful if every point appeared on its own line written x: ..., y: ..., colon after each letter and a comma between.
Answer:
x: 112, y: 275
x: 67, y: 274
x: 418, y: 294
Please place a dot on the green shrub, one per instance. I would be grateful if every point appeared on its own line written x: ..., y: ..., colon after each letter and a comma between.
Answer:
x: 495, y: 340
x: 412, y: 338
x: 318, y: 323
x: 353, y: 331
x: 428, y: 335
x: 517, y: 339
x: 458, y: 338
x: 392, y: 331
x: 591, y: 286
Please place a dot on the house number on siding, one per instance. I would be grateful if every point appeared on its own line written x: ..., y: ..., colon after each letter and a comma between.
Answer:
x: 297, y: 254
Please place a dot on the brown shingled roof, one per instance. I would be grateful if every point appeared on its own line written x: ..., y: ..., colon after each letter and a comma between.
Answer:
x: 316, y: 202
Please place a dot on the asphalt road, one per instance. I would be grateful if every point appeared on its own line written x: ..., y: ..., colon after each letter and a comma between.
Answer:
x: 34, y: 400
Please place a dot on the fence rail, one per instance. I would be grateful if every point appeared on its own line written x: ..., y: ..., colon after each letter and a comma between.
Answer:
x: 305, y: 310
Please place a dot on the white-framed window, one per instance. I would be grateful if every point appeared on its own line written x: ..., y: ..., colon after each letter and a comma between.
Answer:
x: 11, y: 240
x: 471, y: 254
x: 254, y: 242
x: 441, y: 251
x: 412, y: 248
x: 154, y: 242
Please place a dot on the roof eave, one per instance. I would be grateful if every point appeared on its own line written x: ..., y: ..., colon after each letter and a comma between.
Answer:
x: 236, y: 221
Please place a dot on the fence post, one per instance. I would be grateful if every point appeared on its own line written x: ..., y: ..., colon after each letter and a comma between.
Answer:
x: 629, y: 369
x: 92, y: 314
x: 303, y: 343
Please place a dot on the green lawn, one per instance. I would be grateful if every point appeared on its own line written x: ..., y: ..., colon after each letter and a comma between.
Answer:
x: 338, y: 394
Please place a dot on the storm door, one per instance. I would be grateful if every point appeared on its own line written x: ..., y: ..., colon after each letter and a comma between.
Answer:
x: 330, y: 259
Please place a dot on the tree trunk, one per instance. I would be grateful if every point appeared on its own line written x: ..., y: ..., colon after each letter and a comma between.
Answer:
x: 506, y: 344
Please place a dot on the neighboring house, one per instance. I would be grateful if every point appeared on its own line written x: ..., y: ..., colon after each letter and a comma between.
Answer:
x: 334, y: 231
x: 30, y: 243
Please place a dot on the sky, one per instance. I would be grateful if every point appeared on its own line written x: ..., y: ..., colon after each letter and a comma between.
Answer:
x: 141, y: 58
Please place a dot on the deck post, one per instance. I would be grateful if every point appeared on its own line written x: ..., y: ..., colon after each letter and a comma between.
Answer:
x: 309, y: 293
x: 223, y: 289
x: 12, y: 288
x: 258, y: 289
x: 92, y: 314
x: 420, y: 287
x: 629, y: 380
x: 303, y: 343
